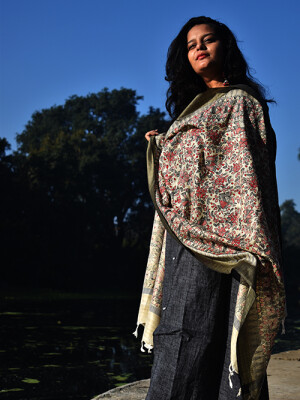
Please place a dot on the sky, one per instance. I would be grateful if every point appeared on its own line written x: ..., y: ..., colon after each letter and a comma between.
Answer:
x: 52, y: 49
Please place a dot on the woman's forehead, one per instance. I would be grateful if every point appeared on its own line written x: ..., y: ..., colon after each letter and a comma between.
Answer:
x: 199, y: 30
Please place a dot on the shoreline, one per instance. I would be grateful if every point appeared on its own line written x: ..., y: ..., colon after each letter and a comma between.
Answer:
x: 283, y: 378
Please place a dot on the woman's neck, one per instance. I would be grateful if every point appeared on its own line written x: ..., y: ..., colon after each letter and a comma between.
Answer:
x: 213, y: 83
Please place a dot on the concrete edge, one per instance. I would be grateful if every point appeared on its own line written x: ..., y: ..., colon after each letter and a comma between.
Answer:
x: 120, y: 389
x: 276, y: 361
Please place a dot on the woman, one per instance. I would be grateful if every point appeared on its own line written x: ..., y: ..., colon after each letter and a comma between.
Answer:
x: 213, y: 291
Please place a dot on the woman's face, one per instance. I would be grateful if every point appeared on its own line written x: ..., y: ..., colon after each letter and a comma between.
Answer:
x: 205, y: 52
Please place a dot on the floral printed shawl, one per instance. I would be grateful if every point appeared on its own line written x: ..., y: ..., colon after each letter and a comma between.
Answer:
x: 212, y: 180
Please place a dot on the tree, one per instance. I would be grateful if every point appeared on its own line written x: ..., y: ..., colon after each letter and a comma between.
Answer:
x: 87, y: 205
x: 290, y: 225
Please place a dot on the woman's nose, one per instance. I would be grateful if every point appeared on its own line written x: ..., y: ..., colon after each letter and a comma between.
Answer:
x: 201, y: 46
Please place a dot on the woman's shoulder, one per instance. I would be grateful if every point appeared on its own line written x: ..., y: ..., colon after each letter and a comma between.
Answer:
x: 246, y: 92
x: 247, y: 95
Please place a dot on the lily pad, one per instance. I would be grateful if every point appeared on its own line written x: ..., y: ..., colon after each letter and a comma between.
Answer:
x: 30, y: 380
x: 122, y: 378
x: 11, y: 390
x: 11, y: 313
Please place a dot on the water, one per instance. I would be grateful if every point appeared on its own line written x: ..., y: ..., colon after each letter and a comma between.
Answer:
x: 76, y: 348
x: 68, y: 349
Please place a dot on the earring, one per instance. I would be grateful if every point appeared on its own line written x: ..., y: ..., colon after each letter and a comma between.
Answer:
x: 225, y: 82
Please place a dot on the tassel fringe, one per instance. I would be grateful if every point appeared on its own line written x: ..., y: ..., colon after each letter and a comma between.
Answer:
x: 142, y: 347
x: 283, y: 321
x: 283, y: 327
x: 231, y: 371
x: 135, y: 333
x: 146, y: 346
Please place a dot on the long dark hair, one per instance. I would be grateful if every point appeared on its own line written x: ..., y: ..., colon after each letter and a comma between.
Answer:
x: 185, y: 84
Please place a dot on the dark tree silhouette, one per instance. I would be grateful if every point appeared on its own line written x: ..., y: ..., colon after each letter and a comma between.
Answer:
x: 290, y: 225
x: 85, y: 211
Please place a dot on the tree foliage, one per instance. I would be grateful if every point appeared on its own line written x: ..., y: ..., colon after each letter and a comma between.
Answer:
x: 85, y: 207
x: 290, y: 226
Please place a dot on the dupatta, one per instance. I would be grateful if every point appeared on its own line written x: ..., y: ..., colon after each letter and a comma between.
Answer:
x: 213, y: 184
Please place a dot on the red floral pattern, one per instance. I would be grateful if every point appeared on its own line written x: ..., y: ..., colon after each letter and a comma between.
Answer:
x: 216, y: 188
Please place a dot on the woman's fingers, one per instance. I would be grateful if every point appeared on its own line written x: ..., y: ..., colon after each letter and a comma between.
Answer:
x: 151, y: 133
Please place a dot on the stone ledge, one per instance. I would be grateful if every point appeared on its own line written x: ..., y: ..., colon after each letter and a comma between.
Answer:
x: 283, y: 377
x: 287, y: 355
x: 131, y: 391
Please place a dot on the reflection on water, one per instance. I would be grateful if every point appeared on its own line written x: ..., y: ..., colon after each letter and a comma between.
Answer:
x: 68, y: 349
x: 76, y: 348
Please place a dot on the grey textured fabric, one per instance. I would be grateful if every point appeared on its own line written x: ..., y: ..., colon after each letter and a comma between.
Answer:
x: 192, y: 341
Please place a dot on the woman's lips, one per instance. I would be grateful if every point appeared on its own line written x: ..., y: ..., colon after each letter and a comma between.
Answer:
x: 201, y: 56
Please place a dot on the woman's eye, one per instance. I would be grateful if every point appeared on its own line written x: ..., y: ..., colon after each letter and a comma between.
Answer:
x: 191, y: 46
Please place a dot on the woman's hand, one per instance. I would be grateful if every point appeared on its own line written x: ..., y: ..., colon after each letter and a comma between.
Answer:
x: 151, y: 133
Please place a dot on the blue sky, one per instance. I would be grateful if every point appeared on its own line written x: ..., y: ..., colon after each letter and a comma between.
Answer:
x: 52, y: 49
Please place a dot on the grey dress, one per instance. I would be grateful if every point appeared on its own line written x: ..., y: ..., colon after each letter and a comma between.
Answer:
x: 192, y: 341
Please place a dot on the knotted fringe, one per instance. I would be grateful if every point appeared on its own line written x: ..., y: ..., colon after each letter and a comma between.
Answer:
x: 135, y: 333
x: 231, y: 373
x: 283, y: 320
x: 147, y: 346
x: 144, y: 345
x: 283, y: 327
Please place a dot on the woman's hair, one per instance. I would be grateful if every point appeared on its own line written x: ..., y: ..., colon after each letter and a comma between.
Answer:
x: 185, y: 84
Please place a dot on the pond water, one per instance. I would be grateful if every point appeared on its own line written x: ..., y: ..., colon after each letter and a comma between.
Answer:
x: 76, y: 348
x: 68, y: 349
